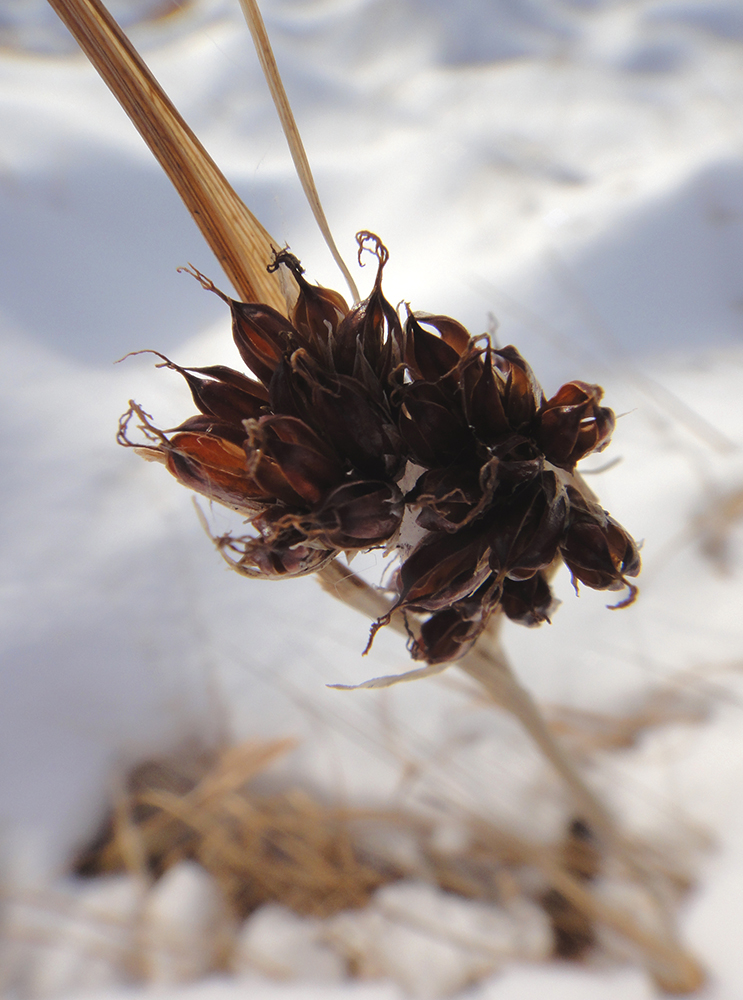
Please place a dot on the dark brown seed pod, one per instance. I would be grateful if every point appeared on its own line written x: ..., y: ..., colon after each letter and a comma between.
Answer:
x: 429, y: 358
x: 277, y: 553
x: 442, y: 569
x: 522, y: 395
x: 318, y: 311
x: 485, y: 403
x: 372, y: 329
x: 449, y: 497
x: 445, y: 636
x: 450, y: 633
x: 216, y: 468
x: 525, y: 531
x: 308, y: 465
x: 571, y: 425
x: 597, y: 550
x: 435, y: 433
x: 203, y: 423
x: 262, y: 336
x: 343, y: 412
x: 360, y: 514
x: 528, y: 602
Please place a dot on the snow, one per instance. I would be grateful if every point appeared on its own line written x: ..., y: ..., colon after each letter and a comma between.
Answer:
x: 573, y: 168
x: 279, y: 942
x: 182, y: 918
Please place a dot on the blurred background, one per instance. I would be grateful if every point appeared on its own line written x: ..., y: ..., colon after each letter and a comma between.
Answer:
x: 565, y: 173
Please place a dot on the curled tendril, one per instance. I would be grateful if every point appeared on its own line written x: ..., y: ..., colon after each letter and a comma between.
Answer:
x: 378, y: 249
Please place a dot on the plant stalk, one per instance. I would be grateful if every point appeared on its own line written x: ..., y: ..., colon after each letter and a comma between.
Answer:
x: 239, y: 242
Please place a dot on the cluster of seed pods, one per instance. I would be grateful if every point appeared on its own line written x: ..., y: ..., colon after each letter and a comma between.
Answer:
x: 348, y: 405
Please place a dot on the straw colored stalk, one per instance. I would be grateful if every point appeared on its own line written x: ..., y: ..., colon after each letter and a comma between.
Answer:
x: 244, y: 248
x: 239, y: 242
x: 293, y: 138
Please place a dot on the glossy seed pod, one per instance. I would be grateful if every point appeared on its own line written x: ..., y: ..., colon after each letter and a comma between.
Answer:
x: 597, y: 550
x: 571, y: 425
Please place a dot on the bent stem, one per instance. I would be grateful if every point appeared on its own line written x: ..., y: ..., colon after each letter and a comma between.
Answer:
x: 672, y: 968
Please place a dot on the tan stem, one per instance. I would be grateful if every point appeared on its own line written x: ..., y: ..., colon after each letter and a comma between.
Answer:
x: 342, y: 583
x: 296, y: 146
x: 488, y: 665
x: 672, y: 968
x: 240, y: 243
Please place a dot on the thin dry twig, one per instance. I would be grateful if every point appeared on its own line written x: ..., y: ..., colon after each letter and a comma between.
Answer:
x: 293, y: 138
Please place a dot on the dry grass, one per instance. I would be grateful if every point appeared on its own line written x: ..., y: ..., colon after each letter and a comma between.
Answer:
x: 260, y: 847
x: 287, y: 846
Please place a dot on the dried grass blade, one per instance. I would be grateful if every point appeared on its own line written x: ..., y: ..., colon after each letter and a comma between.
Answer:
x: 342, y: 583
x: 240, y: 243
x: 289, y: 125
x: 237, y: 766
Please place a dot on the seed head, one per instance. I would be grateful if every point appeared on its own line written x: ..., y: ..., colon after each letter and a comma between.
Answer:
x: 347, y: 405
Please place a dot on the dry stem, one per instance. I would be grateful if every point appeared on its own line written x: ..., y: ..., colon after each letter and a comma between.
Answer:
x: 289, y: 125
x: 670, y: 965
x: 240, y: 243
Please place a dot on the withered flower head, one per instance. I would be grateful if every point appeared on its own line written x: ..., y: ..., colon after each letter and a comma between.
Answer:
x: 348, y: 403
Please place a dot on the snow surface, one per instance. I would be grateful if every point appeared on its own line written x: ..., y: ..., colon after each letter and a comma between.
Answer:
x: 572, y: 167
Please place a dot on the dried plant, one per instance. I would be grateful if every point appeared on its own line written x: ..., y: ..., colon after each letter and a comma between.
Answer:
x: 360, y: 421
x: 279, y: 846
x: 289, y: 847
x: 362, y: 426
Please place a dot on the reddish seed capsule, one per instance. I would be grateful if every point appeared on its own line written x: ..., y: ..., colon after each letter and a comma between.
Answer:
x: 571, y: 425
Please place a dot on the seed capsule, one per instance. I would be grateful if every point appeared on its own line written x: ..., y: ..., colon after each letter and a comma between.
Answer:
x: 597, y: 549
x: 571, y: 425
